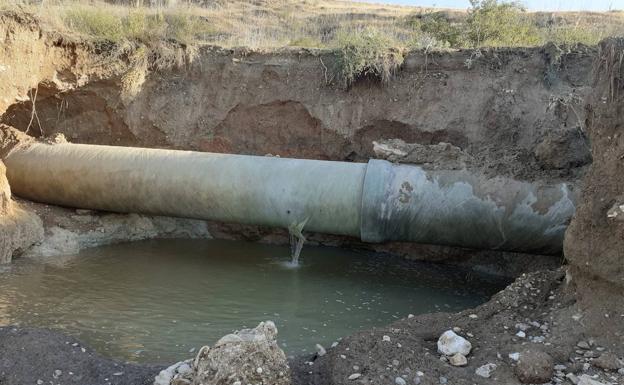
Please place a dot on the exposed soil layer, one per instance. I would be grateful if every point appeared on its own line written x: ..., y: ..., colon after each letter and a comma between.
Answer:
x: 516, y: 112
x: 594, y: 242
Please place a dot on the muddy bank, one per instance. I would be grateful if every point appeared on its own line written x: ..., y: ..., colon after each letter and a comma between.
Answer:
x: 37, y: 356
x: 535, y: 319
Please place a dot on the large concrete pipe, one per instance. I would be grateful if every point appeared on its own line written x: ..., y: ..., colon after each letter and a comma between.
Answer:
x: 378, y: 201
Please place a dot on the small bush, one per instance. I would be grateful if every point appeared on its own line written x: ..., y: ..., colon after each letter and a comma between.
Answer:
x: 495, y: 24
x: 366, y: 53
x: 438, y: 26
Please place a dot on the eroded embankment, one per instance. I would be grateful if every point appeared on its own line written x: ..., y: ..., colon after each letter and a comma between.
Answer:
x: 512, y: 112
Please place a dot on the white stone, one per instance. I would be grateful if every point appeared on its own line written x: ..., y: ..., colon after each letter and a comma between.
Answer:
x: 485, y: 370
x: 521, y: 334
x: 458, y: 360
x: 320, y: 350
x: 355, y: 376
x: 450, y: 344
x: 386, y: 338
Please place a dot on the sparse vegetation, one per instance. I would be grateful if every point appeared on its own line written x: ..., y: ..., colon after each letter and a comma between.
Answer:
x: 320, y: 23
x: 491, y: 23
x: 366, y: 53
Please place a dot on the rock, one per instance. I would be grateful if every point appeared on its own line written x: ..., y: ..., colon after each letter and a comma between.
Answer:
x: 450, y: 344
x: 621, y: 371
x: 534, y: 367
x: 521, y: 334
x: 458, y: 359
x: 166, y: 376
x: 386, y: 338
x: 442, y: 155
x: 443, y: 380
x: 608, y: 361
x: 514, y: 356
x: 400, y: 381
x: 320, y: 350
x: 485, y: 370
x: 583, y: 345
x: 355, y: 376
x: 573, y: 379
x: 184, y: 369
x: 250, y: 356
x: 587, y: 380
x: 616, y: 212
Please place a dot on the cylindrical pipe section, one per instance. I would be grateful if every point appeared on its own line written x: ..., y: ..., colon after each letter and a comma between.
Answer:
x: 378, y: 201
x: 460, y: 208
x: 231, y: 188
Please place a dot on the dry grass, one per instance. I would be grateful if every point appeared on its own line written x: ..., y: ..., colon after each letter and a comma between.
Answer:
x: 316, y: 23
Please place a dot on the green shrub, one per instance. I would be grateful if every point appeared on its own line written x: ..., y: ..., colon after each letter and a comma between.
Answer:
x: 366, y: 53
x: 495, y: 24
x: 440, y: 28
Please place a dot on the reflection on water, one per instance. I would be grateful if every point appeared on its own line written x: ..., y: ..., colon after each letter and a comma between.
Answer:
x: 155, y: 301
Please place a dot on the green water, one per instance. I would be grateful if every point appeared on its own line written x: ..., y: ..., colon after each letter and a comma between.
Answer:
x: 155, y: 301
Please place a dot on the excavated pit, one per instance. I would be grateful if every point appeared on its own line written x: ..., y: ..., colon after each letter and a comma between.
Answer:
x: 525, y: 113
x: 502, y: 115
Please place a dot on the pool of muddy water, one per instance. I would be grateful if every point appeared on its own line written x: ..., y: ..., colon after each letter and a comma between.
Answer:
x: 159, y: 301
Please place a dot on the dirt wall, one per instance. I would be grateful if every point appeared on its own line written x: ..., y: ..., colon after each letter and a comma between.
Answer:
x: 594, y: 242
x: 19, y: 228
